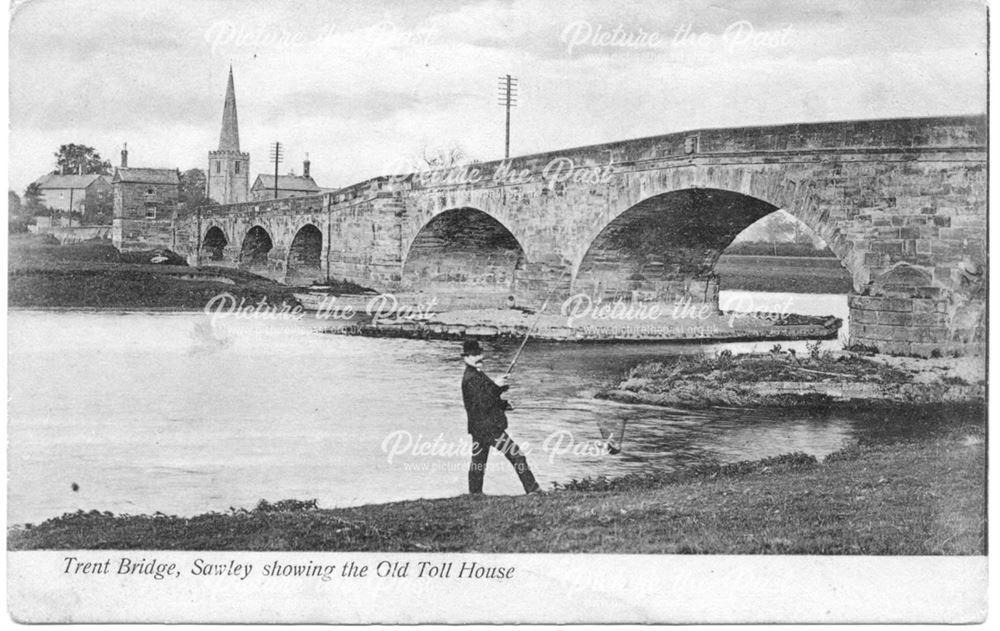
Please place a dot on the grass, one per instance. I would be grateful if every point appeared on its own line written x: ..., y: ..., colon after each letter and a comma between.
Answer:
x: 127, y: 286
x: 921, y: 496
x: 778, y: 365
x: 95, y: 275
x: 782, y: 274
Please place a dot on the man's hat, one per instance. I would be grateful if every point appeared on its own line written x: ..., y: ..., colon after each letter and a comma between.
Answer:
x: 471, y: 347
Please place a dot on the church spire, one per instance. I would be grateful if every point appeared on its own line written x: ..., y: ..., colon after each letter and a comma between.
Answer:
x: 229, y: 139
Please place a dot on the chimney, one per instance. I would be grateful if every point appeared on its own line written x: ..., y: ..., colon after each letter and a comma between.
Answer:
x: 79, y: 169
x: 125, y: 156
x: 305, y: 166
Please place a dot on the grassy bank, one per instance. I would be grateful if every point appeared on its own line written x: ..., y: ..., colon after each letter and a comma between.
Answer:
x: 137, y: 287
x: 796, y: 274
x: 922, y: 496
x: 95, y: 275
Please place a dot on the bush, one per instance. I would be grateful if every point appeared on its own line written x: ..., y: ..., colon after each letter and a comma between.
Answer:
x: 724, y: 359
x: 814, y: 349
x: 263, y: 506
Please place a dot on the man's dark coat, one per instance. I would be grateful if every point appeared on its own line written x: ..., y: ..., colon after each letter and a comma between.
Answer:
x: 483, y: 404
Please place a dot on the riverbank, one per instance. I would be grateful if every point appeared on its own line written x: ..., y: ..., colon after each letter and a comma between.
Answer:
x: 94, y: 275
x: 43, y: 274
x: 786, y: 379
x: 799, y: 274
x: 512, y: 324
x: 924, y: 495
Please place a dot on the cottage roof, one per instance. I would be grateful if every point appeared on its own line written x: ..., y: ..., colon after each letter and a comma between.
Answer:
x: 146, y: 176
x: 56, y: 181
x: 286, y: 183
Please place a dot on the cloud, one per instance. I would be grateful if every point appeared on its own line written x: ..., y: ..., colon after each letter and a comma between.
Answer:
x: 367, y: 83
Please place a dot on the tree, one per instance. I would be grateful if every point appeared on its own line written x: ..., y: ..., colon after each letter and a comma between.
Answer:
x: 13, y: 203
x: 779, y: 227
x: 33, y: 196
x: 98, y: 209
x: 443, y: 157
x: 30, y: 205
x: 192, y: 193
x: 71, y: 157
x: 16, y: 222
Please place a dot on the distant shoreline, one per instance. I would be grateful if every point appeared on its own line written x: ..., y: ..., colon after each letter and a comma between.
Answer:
x: 787, y: 274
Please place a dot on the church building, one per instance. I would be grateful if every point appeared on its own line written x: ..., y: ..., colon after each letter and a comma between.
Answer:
x: 228, y: 174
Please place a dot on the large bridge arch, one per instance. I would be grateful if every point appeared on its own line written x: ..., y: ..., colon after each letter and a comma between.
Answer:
x: 464, y: 250
x: 666, y: 245
x: 770, y: 186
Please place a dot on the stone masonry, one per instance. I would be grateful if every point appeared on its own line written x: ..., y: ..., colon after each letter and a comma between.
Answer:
x: 902, y: 203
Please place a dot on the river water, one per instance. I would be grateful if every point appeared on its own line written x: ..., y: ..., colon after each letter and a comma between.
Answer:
x: 147, y: 412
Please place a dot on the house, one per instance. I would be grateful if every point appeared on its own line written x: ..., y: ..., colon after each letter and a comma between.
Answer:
x: 288, y: 186
x: 73, y: 192
x: 145, y: 201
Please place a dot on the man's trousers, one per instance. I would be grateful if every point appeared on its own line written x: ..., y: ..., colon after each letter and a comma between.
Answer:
x: 503, y: 443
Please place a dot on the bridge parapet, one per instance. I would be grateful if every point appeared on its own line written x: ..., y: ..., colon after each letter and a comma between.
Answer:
x: 957, y: 133
x: 305, y: 203
x: 948, y: 134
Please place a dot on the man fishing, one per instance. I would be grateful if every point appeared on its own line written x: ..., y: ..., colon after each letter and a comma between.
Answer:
x: 488, y: 421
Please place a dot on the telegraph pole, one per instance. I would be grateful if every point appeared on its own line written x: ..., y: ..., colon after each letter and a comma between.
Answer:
x: 276, y: 155
x: 508, y: 98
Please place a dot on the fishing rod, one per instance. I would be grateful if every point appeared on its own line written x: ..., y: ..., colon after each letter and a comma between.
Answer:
x: 610, y: 444
x: 534, y: 324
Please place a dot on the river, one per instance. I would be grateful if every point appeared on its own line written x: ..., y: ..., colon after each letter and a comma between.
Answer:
x: 147, y: 412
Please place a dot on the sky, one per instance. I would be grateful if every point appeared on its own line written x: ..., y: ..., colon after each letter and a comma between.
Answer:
x: 364, y: 87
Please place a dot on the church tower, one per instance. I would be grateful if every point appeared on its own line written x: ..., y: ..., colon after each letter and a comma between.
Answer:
x: 228, y: 168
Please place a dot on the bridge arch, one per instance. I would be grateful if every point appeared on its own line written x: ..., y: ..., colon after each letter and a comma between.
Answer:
x: 667, y: 244
x: 464, y: 251
x: 305, y: 255
x: 257, y: 244
x: 213, y: 245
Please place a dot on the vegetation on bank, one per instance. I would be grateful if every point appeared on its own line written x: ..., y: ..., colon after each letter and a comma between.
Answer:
x: 784, y: 378
x: 94, y: 274
x: 778, y: 249
x: 778, y: 365
x: 799, y: 274
x: 922, y: 496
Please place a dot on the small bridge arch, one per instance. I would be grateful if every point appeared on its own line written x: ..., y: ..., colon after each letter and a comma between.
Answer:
x: 254, y: 253
x: 213, y: 245
x: 305, y: 256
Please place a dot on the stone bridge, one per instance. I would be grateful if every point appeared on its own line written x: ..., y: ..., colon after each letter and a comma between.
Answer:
x: 902, y: 203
